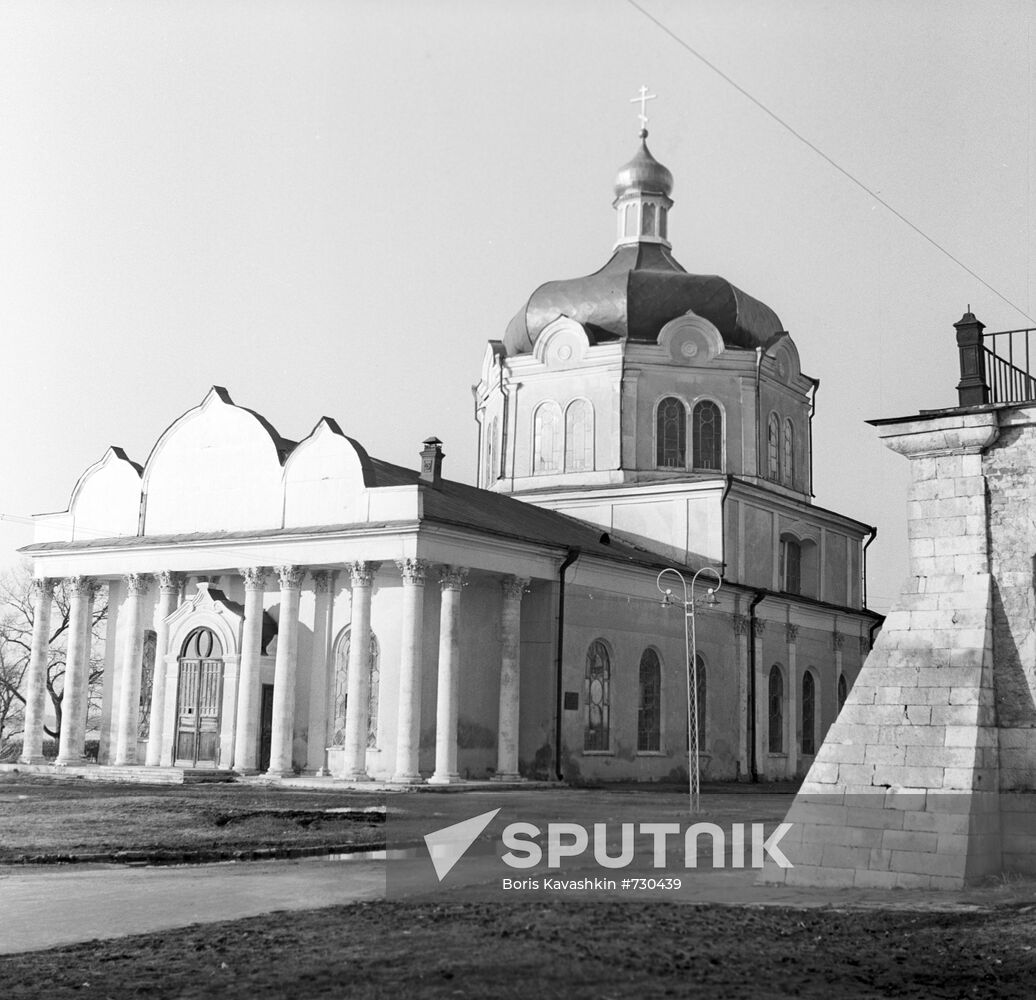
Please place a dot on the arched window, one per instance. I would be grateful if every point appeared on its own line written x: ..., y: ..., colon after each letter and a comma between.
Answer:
x: 843, y: 691
x: 809, y: 718
x: 671, y: 434
x: 629, y: 227
x: 707, y: 436
x: 776, y: 710
x: 546, y: 446
x: 147, y: 680
x: 579, y: 436
x: 596, y: 690
x: 648, y: 220
x: 773, y: 448
x: 789, y: 453
x: 702, y: 690
x: 790, y: 566
x: 649, y: 709
x: 342, y: 689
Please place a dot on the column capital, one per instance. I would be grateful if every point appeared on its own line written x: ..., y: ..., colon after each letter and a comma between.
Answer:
x: 168, y: 581
x: 82, y: 586
x: 514, y: 587
x: 321, y: 580
x: 791, y: 633
x: 290, y: 577
x: 138, y: 584
x: 362, y: 573
x: 865, y: 645
x: 42, y: 586
x: 255, y: 577
x: 758, y: 626
x: 837, y: 641
x: 740, y: 624
x: 453, y: 577
x: 413, y: 571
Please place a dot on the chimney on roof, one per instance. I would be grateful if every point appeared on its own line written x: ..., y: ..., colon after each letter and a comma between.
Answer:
x: 431, y: 461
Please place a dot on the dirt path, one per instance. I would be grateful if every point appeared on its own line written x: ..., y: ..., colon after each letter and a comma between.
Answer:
x: 63, y: 906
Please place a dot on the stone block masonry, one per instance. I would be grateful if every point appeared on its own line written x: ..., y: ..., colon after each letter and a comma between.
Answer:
x: 928, y: 777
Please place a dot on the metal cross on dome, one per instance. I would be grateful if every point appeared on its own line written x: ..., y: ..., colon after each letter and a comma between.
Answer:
x: 642, y: 101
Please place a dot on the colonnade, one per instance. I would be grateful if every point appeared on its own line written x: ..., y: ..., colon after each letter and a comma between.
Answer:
x: 245, y: 744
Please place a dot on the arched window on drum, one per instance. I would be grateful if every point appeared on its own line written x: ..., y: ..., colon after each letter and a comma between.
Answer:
x: 579, y: 436
x: 707, y: 436
x: 547, y: 439
x: 671, y: 434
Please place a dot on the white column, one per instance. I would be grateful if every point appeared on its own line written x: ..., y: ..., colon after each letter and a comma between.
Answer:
x: 318, y: 670
x: 794, y: 697
x: 284, y: 671
x: 77, y: 671
x: 448, y: 688
x: 510, y: 678
x: 408, y: 729
x: 169, y: 586
x: 36, y: 674
x: 358, y: 698
x: 246, y: 742
x: 128, y: 710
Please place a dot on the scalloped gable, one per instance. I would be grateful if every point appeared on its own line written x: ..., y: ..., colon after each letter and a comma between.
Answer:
x: 105, y: 502
x: 326, y: 479
x: 216, y: 468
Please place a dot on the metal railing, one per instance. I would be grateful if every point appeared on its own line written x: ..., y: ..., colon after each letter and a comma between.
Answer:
x: 995, y: 367
x: 1008, y: 356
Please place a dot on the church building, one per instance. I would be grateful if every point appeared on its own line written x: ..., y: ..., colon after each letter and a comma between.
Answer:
x: 308, y: 608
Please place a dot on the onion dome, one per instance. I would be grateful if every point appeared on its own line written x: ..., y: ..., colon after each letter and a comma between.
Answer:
x: 643, y: 173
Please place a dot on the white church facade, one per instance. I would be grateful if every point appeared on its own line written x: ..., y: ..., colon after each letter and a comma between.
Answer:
x: 307, y: 608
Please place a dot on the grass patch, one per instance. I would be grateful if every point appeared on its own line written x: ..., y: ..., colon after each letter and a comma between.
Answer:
x: 554, y: 949
x: 46, y: 819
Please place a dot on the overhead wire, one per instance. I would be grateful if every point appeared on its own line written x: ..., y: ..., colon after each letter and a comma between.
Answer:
x: 830, y: 160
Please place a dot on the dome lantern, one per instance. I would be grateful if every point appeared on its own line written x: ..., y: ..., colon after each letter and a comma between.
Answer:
x: 642, y: 189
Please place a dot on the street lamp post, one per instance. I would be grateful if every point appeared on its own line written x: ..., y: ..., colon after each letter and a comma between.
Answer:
x: 690, y: 643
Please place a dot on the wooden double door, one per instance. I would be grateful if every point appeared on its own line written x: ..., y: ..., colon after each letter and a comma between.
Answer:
x: 199, y: 701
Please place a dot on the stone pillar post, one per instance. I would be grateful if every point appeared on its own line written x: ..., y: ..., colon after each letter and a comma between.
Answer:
x: 972, y: 390
x: 357, y: 719
x: 408, y: 728
x: 36, y: 674
x: 169, y: 586
x: 128, y: 710
x: 74, y: 702
x: 316, y: 739
x: 246, y: 738
x: 284, y: 671
x: 791, y: 634
x: 448, y: 691
x: 510, y: 679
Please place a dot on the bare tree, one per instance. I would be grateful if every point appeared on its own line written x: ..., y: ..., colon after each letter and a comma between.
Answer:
x: 17, y: 616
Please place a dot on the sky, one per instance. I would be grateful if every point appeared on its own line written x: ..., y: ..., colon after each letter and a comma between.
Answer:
x: 331, y: 207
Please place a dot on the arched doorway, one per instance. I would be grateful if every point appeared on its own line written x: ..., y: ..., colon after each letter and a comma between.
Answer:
x: 198, y: 700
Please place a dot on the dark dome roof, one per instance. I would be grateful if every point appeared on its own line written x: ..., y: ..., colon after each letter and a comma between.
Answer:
x: 635, y: 294
x: 643, y: 173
